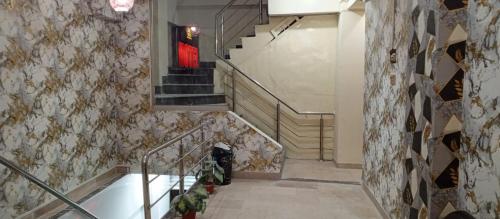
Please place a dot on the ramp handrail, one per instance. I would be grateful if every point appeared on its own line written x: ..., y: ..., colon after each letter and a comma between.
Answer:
x: 45, y: 187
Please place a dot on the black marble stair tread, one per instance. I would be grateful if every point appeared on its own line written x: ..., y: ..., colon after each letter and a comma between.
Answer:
x: 207, y: 64
x: 188, y: 79
x: 186, y: 95
x: 185, y: 89
x: 190, y: 99
x: 190, y: 71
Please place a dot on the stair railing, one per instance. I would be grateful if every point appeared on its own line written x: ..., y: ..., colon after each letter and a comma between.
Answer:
x: 221, y: 43
x: 240, y: 14
x: 13, y: 167
x: 148, y: 205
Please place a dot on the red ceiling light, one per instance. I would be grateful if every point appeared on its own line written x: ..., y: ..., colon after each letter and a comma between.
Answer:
x: 121, y: 5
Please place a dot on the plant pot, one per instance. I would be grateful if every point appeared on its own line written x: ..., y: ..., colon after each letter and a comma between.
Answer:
x: 210, y: 187
x: 189, y: 215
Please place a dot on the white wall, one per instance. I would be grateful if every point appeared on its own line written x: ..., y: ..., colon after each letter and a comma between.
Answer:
x: 349, y: 88
x: 299, y: 66
x: 302, y: 7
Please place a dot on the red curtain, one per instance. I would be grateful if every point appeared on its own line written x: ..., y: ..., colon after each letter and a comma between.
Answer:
x: 188, y: 56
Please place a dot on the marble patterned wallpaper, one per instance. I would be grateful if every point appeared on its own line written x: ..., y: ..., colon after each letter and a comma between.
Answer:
x: 56, y: 101
x: 480, y: 163
x: 75, y: 99
x: 385, y: 105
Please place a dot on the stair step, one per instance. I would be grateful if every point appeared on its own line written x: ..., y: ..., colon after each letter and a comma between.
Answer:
x: 176, y: 70
x: 184, y: 89
x: 239, y: 46
x: 207, y: 64
x: 188, y: 79
x: 251, y: 35
x: 227, y: 56
x: 190, y: 99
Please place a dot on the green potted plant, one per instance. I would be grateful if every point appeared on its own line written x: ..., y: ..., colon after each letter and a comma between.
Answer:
x: 194, y: 201
x: 210, y: 174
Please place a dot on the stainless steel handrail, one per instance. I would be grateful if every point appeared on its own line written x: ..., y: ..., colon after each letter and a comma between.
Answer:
x: 45, y: 187
x: 145, y: 161
x: 220, y: 26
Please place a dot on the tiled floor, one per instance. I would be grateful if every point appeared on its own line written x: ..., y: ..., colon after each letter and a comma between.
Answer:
x: 262, y: 199
x: 319, y: 170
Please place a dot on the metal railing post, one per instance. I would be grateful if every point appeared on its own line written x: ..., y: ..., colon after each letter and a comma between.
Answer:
x: 181, y: 168
x: 216, y: 35
x: 278, y: 121
x: 261, y: 12
x: 145, y: 187
x: 222, y: 36
x: 202, y: 146
x: 321, y: 126
x: 233, y: 76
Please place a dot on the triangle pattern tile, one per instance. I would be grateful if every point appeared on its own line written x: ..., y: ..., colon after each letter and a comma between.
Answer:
x: 447, y: 210
x: 428, y: 109
x: 431, y: 23
x: 417, y: 142
x: 453, y: 125
x: 414, y: 15
x: 431, y: 45
x: 412, y: 90
x: 454, y: 4
x: 407, y: 196
x: 422, y: 192
x: 408, y: 165
x: 418, y: 106
x: 411, y: 123
x: 413, y: 213
x: 421, y: 27
x: 458, y: 34
x: 414, y: 46
x: 420, y: 68
x: 445, y: 158
x: 452, y: 141
x: 445, y: 70
x: 425, y: 140
x: 457, y: 51
x: 449, y: 177
x: 453, y: 90
x: 414, y: 183
x: 422, y: 214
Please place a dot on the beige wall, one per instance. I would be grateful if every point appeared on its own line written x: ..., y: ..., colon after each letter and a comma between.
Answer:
x: 299, y: 66
x: 296, y: 7
x: 349, y: 88
x: 163, y: 13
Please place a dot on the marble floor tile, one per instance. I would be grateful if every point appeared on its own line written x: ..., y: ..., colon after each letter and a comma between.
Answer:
x: 283, y: 199
x: 319, y: 170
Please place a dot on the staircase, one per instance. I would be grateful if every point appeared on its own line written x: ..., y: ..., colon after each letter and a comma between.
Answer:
x: 305, y: 135
x: 187, y: 87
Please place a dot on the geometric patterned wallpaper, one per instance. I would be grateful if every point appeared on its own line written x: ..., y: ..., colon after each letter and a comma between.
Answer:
x: 431, y: 40
x: 434, y: 120
x: 449, y: 73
